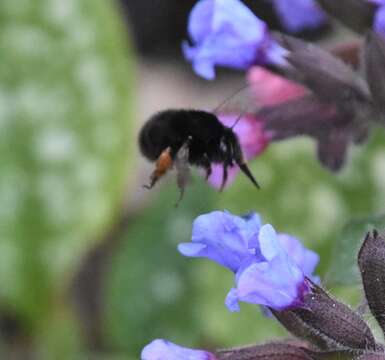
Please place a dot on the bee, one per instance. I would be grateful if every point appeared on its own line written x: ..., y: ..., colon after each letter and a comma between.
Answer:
x: 184, y: 138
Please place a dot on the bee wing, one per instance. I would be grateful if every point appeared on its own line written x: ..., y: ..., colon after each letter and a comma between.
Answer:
x: 239, y: 102
x: 263, y: 89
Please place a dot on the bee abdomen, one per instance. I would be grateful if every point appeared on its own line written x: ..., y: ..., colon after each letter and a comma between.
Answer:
x: 146, y: 144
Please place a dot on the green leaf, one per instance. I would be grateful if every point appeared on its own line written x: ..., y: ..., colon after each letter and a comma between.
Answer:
x: 343, y: 268
x: 150, y: 292
x: 65, y: 140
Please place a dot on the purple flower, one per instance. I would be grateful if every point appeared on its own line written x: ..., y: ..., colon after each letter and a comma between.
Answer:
x: 227, y: 33
x: 269, y: 269
x: 379, y: 16
x: 377, y: 2
x: 160, y: 349
x: 298, y: 15
x: 379, y: 20
x: 305, y: 259
x: 276, y: 281
x: 223, y: 238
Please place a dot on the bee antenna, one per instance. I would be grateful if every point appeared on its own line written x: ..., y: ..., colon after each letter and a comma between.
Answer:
x: 240, y: 116
x: 230, y: 97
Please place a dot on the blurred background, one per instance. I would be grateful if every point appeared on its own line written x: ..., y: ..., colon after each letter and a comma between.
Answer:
x: 88, y: 260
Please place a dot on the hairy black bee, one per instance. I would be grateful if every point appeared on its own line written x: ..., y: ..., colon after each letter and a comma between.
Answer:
x: 182, y: 138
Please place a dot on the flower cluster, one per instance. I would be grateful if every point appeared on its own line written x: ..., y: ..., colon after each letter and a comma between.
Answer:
x: 307, y: 91
x: 269, y: 268
x: 274, y: 270
x: 227, y: 33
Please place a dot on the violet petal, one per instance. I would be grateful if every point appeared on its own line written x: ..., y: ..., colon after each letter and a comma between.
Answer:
x: 299, y: 15
x: 161, y: 349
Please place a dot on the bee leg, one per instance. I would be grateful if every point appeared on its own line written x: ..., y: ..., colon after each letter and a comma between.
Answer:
x: 163, y: 164
x: 208, y: 172
x: 182, y: 167
x: 207, y: 166
x: 224, y: 177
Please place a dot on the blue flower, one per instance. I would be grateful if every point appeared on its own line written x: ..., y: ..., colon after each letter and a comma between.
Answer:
x: 379, y: 20
x: 277, y: 281
x: 307, y: 260
x: 223, y: 238
x: 227, y: 33
x: 269, y: 269
x: 298, y: 15
x: 160, y: 349
x: 379, y: 16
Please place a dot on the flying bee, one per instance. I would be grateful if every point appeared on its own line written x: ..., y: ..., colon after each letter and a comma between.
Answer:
x: 182, y: 138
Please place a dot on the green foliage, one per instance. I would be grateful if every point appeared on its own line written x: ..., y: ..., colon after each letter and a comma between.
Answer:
x: 65, y: 103
x: 150, y: 292
x: 298, y: 196
x: 343, y: 266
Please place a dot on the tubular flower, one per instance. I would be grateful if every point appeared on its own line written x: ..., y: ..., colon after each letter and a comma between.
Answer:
x: 325, y: 327
x: 379, y: 17
x: 269, y: 269
x: 306, y: 259
x: 276, y: 281
x: 223, y: 238
x: 160, y: 349
x: 299, y: 15
x: 227, y: 33
x: 379, y: 20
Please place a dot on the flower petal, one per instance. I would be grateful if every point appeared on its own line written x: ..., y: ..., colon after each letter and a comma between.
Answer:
x: 298, y: 15
x: 232, y: 301
x: 278, y: 283
x: 223, y: 238
x: 379, y: 20
x: 215, y: 179
x: 200, y: 20
x: 306, y: 259
x: 192, y: 249
x: 271, y: 89
x: 160, y: 349
x: 268, y: 242
x: 201, y: 67
x: 238, y: 19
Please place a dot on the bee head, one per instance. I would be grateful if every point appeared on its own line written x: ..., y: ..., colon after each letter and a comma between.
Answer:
x: 233, y: 153
x: 230, y: 137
